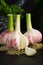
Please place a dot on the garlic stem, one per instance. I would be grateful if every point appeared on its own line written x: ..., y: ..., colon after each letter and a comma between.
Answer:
x: 28, y: 21
x: 10, y: 22
x: 18, y: 22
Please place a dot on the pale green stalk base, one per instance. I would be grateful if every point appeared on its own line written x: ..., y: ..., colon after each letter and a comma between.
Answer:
x: 28, y: 21
x: 18, y: 22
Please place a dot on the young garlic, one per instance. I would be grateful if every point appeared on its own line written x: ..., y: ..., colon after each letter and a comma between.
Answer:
x: 4, y: 35
x: 17, y: 39
x: 32, y: 35
x: 14, y: 38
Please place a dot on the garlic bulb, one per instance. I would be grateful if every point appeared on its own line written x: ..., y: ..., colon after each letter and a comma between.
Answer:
x: 32, y: 35
x: 4, y: 35
x: 17, y: 39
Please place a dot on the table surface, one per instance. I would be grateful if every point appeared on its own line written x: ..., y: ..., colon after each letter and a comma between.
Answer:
x: 22, y: 59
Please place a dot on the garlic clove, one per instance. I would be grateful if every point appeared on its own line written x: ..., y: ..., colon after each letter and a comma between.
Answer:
x: 23, y: 41
x: 30, y: 51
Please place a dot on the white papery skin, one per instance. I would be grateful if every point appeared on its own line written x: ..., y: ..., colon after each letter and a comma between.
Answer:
x: 33, y: 36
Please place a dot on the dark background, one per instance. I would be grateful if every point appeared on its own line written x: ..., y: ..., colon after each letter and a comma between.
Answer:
x: 35, y: 7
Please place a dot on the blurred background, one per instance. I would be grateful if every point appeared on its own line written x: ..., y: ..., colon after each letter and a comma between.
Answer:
x: 35, y: 7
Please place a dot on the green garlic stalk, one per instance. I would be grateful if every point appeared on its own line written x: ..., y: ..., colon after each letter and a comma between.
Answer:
x: 28, y: 21
x: 32, y: 34
x: 10, y: 22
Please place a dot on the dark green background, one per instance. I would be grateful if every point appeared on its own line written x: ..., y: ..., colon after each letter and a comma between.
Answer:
x: 35, y: 7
